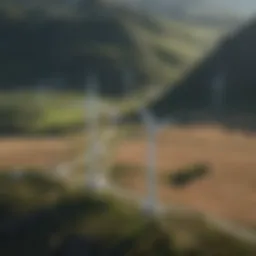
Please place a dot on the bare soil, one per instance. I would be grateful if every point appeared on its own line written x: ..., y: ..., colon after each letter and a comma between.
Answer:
x: 228, y: 191
x: 34, y: 152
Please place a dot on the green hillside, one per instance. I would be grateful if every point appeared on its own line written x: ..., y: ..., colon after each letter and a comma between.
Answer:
x: 70, y: 44
x: 44, y: 215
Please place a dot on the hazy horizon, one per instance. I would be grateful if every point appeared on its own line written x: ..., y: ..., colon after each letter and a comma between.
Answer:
x: 236, y: 7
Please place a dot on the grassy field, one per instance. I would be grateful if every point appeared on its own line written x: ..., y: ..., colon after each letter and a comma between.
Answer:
x: 169, y: 54
x: 229, y: 156
x: 118, y: 228
x: 113, y: 226
x: 164, y: 56
x: 49, y: 112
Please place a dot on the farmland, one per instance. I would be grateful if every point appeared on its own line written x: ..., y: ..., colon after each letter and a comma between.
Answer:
x: 230, y: 157
x: 228, y: 191
x: 41, y: 130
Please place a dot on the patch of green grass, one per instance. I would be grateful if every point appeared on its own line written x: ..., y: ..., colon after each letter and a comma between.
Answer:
x: 161, y: 50
x: 28, y: 112
x: 74, y: 212
x: 172, y: 41
x: 103, y: 218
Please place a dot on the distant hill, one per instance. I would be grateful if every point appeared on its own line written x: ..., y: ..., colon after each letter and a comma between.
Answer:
x: 40, y: 45
x: 212, y: 12
x: 239, y: 8
x: 132, y: 54
x: 43, y: 44
x: 235, y: 58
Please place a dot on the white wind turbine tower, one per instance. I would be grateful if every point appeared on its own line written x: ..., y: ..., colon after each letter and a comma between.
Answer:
x: 92, y: 115
x: 95, y: 176
x: 218, y: 91
x: 151, y: 203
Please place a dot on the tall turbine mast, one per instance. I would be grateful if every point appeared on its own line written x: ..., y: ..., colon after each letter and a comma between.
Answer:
x: 218, y: 90
x: 92, y: 115
x: 151, y: 201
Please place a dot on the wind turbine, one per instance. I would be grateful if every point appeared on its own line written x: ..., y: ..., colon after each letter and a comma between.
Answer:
x: 92, y: 115
x: 151, y: 128
x: 149, y: 207
x: 218, y: 90
x: 96, y: 177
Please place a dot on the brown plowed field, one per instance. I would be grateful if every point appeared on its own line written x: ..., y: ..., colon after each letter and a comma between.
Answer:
x: 229, y: 190
x: 33, y: 152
